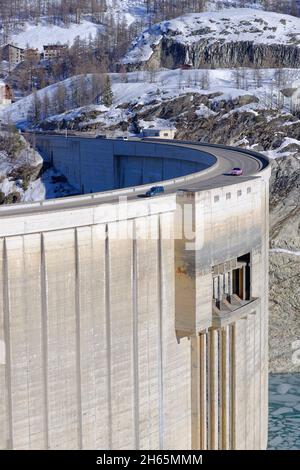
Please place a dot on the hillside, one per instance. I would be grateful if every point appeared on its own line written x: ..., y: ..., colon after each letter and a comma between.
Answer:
x: 137, y: 90
x: 44, y: 31
x: 231, y: 38
x: 68, y: 94
x: 36, y: 36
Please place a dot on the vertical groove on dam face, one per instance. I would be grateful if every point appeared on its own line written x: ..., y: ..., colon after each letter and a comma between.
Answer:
x: 78, y: 345
x: 44, y: 321
x: 223, y: 389
x: 6, y: 321
x: 203, y: 397
x: 246, y: 390
x: 160, y: 336
x: 233, y: 386
x: 135, y: 339
x: 108, y: 336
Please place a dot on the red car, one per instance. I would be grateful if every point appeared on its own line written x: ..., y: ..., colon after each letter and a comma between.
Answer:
x: 236, y: 172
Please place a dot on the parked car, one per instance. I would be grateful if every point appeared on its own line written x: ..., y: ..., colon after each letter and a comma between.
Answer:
x: 122, y: 137
x: 236, y: 171
x: 154, y: 191
x: 100, y: 136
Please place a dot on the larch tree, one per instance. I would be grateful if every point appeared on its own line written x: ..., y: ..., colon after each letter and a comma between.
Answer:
x: 107, y: 97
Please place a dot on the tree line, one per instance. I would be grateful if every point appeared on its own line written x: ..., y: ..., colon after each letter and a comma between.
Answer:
x: 82, y: 91
x: 67, y: 11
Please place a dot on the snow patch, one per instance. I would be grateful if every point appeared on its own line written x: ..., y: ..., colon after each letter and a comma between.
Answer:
x: 284, y: 251
x: 288, y: 147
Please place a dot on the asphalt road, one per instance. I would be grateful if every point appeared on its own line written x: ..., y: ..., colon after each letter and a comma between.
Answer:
x: 217, y: 176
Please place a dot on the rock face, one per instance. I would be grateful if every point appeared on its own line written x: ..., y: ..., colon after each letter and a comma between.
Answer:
x: 171, y: 54
x: 20, y: 165
x: 284, y: 331
x: 231, y: 38
x: 285, y: 265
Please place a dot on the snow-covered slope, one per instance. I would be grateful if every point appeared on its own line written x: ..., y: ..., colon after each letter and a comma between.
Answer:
x: 143, y: 88
x: 19, y: 111
x: 128, y: 10
x: 227, y: 26
x: 44, y: 33
x: 36, y: 35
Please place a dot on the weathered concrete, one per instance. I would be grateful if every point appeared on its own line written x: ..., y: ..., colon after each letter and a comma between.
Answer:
x: 110, y: 343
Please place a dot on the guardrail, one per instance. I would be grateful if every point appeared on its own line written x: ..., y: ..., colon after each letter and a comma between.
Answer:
x: 113, y: 194
x: 72, y: 201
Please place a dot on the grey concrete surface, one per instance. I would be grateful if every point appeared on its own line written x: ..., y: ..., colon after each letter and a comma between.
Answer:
x: 110, y: 342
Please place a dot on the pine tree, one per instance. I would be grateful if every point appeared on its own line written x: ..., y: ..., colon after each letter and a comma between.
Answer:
x: 107, y: 97
x: 60, y: 98
x: 45, y: 106
x: 36, y: 107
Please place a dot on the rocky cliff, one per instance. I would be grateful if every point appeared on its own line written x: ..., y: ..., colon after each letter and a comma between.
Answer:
x: 20, y: 165
x: 171, y: 54
x: 231, y: 38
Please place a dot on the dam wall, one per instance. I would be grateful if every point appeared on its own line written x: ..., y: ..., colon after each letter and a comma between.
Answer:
x: 140, y: 328
x: 93, y: 165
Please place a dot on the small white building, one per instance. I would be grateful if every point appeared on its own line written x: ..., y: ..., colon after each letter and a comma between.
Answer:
x: 159, y: 133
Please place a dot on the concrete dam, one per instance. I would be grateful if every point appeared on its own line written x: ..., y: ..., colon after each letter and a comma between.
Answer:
x: 137, y: 323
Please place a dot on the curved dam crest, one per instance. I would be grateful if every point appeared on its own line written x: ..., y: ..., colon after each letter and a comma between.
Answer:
x: 153, y: 340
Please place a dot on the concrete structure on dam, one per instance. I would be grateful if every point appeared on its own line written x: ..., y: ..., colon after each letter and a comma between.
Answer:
x: 140, y: 324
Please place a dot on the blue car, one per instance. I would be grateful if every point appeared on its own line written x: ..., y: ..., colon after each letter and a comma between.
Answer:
x: 155, y: 190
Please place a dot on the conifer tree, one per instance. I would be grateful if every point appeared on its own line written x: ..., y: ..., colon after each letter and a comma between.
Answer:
x: 107, y: 97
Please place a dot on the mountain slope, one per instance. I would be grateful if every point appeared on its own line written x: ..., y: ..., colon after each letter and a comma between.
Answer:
x: 229, y: 38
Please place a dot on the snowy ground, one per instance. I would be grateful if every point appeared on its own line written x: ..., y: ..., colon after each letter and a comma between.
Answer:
x: 48, y: 184
x: 45, y: 188
x: 287, y: 147
x: 232, y: 25
x: 36, y: 36
x: 284, y: 412
x: 285, y: 251
x: 129, y: 11
x: 40, y: 189
x: 18, y: 111
x: 144, y: 87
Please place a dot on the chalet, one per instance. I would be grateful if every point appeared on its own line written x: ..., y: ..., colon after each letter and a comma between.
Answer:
x: 52, y: 51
